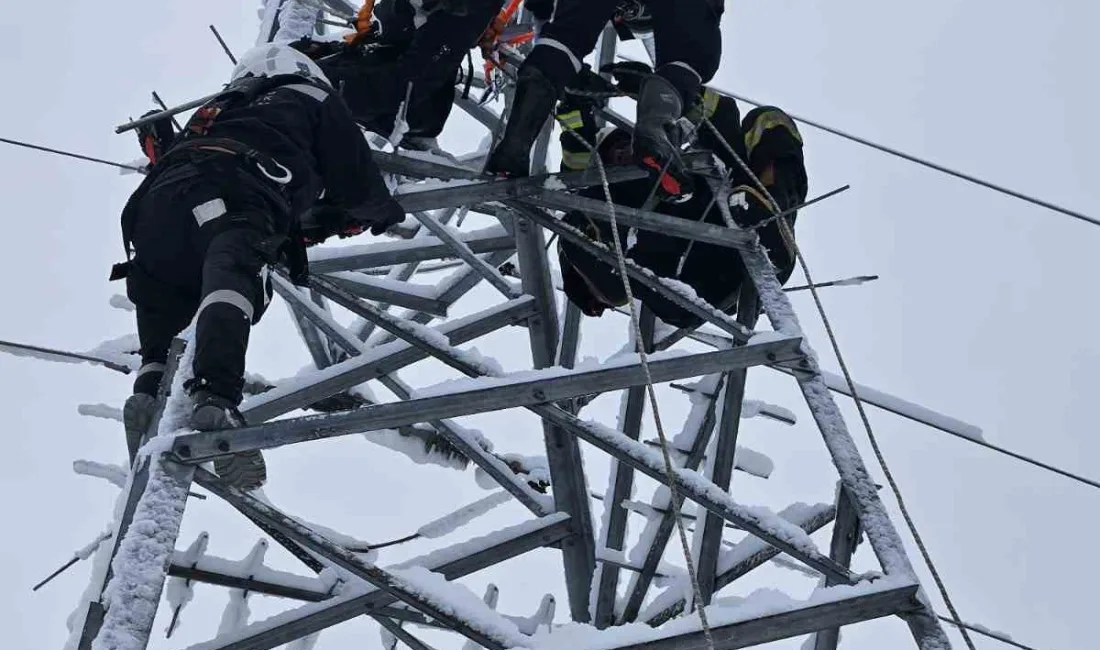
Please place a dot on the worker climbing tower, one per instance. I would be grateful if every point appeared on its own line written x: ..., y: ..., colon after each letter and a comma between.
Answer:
x: 654, y: 586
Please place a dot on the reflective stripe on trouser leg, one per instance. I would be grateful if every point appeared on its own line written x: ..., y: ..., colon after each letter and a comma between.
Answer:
x: 147, y: 379
x: 233, y: 300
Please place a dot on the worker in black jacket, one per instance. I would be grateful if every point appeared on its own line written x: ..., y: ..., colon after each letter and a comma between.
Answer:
x: 223, y: 203
x: 768, y: 141
x: 404, y: 50
x: 689, y: 49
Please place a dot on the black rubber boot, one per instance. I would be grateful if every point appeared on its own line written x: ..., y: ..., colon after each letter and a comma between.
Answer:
x: 246, y: 471
x: 137, y: 415
x: 656, y: 139
x: 535, y: 99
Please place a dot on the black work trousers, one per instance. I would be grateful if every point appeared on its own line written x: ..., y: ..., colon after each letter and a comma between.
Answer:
x: 202, y: 241
x: 429, y: 57
x: 686, y: 33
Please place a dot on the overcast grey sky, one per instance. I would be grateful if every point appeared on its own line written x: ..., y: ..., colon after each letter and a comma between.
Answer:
x: 985, y: 311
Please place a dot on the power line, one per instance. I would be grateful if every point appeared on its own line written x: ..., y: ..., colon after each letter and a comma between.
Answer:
x: 927, y: 163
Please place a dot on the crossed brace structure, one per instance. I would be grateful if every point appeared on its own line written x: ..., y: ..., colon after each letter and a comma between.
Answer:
x: 125, y: 594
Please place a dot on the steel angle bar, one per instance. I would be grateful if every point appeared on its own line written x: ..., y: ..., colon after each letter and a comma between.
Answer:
x: 318, y: 350
x: 202, y: 446
x: 793, y: 623
x: 383, y: 360
x: 318, y: 317
x: 421, y: 168
x: 642, y: 219
x: 614, y: 534
x: 393, y: 585
x: 756, y: 554
x: 267, y: 587
x: 748, y: 308
x: 420, y: 249
x: 497, y: 190
x: 846, y: 534
x: 454, y: 288
x: 489, y: 273
x: 487, y: 117
x: 402, y: 634
x: 563, y: 453
x: 490, y: 464
x: 691, y: 486
x: 543, y: 533
x: 884, y: 538
x: 640, y: 584
x: 157, y: 492
x: 368, y: 290
x: 636, y: 272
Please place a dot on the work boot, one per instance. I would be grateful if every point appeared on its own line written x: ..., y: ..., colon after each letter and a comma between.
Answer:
x: 657, y: 137
x: 535, y: 99
x: 137, y: 415
x: 245, y: 471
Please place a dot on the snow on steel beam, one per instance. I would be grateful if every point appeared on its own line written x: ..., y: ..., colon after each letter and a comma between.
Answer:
x: 353, y: 258
x: 768, y: 526
x: 268, y: 587
x: 464, y: 192
x: 563, y: 453
x: 884, y: 538
x: 453, y: 288
x: 480, y: 396
x: 749, y: 554
x: 731, y: 630
x: 419, y: 167
x: 394, y: 585
x: 698, y: 429
x: 454, y: 562
x: 846, y: 534
x: 450, y: 237
x: 318, y: 317
x: 642, y: 219
x: 392, y: 292
x: 378, y: 361
x: 688, y: 301
x: 620, y: 486
x: 123, y: 596
x: 748, y: 309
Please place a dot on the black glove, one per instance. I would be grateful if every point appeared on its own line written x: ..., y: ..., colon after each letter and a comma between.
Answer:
x: 628, y: 75
x: 379, y: 216
x: 593, y: 91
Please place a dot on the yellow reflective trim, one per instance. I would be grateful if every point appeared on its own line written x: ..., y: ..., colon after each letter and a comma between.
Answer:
x: 710, y: 102
x: 766, y: 121
x: 575, y: 159
x: 573, y: 120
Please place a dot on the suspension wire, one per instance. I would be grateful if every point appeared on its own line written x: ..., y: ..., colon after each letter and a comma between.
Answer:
x: 676, y: 500
x: 904, y: 156
x: 985, y: 633
x: 71, y: 155
x: 788, y: 236
x: 221, y: 41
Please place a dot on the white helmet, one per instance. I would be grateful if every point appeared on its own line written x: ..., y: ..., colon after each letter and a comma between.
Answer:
x: 275, y: 59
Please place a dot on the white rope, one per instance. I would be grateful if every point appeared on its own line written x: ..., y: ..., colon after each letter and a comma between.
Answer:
x: 788, y: 237
x: 674, y: 493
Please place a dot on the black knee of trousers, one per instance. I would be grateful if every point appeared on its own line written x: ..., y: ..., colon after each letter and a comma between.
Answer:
x: 236, y: 290
x: 162, y: 312
x: 688, y: 32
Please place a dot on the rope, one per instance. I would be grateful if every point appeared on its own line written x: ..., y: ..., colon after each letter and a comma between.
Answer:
x: 674, y: 493
x: 788, y: 236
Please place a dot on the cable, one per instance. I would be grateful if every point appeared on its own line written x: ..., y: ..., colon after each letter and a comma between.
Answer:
x: 676, y: 501
x: 985, y: 633
x: 71, y: 155
x: 788, y: 236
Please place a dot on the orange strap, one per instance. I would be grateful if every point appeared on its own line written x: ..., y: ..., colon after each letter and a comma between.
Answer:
x: 363, y: 24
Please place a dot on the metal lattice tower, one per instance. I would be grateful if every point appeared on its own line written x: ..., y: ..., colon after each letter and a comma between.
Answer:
x: 605, y: 586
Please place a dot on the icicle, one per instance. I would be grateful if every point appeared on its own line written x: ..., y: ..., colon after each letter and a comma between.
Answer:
x: 113, y: 474
x: 236, y: 611
x: 179, y: 591
x: 492, y: 595
x: 449, y: 523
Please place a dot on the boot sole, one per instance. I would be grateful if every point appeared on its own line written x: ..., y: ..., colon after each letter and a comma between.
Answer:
x: 245, y: 471
x: 137, y: 415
